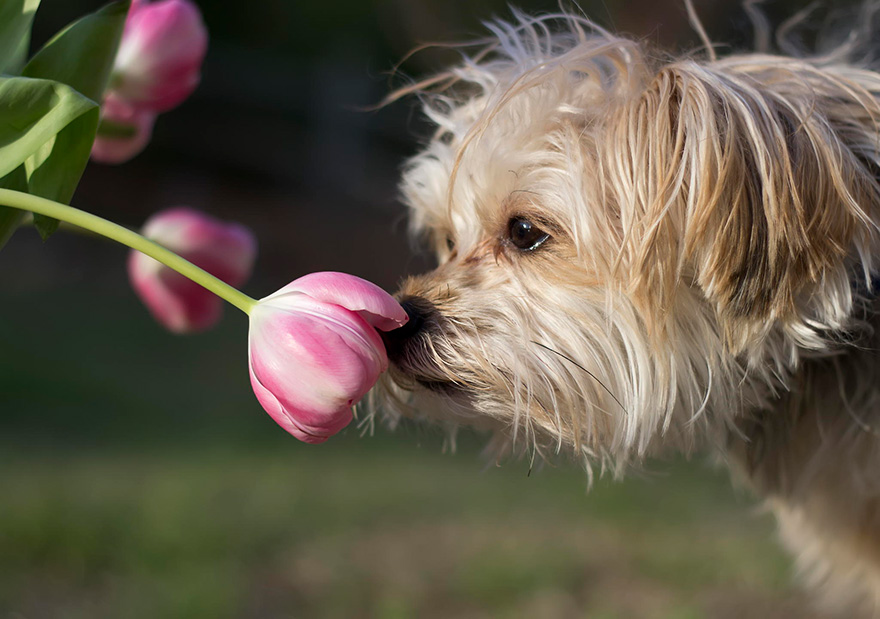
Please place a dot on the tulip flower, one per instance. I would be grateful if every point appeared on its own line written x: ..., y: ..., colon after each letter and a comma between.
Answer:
x: 124, y: 132
x: 313, y: 346
x: 160, y: 56
x: 314, y: 350
x: 225, y: 250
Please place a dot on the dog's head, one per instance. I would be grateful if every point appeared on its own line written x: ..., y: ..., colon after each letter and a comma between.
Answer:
x: 630, y: 248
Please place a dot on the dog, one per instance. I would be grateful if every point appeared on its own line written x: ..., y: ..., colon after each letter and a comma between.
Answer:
x: 641, y: 254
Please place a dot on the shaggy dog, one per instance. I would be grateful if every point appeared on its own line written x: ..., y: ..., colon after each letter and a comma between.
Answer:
x: 641, y: 254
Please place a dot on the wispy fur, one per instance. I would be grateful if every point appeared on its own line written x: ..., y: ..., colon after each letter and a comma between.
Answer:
x: 708, y: 278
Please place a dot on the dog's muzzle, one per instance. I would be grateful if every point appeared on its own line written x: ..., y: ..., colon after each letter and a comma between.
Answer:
x: 410, y: 351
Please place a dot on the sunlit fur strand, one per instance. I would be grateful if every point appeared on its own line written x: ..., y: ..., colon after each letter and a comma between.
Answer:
x: 708, y: 282
x: 728, y: 134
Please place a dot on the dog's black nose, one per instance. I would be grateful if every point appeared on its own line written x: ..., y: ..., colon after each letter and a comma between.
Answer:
x: 419, y: 311
x: 415, y: 322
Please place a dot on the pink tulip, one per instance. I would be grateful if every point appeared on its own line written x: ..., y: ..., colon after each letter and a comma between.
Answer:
x: 112, y: 148
x: 161, y: 53
x: 314, y: 350
x: 225, y: 250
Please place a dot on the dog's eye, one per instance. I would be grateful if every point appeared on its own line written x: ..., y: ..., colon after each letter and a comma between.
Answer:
x: 525, y: 235
x: 450, y: 243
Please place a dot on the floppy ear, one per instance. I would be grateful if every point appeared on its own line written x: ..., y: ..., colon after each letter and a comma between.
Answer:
x: 741, y: 182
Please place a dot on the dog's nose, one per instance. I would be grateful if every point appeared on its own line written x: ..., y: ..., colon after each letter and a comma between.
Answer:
x: 415, y: 322
x: 419, y: 311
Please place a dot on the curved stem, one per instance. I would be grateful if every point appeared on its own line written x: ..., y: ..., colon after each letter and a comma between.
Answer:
x: 98, y: 225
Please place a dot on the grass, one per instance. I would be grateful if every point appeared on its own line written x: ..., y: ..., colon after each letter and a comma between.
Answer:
x: 374, y: 528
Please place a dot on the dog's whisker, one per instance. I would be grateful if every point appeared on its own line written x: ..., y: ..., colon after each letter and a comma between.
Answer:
x: 580, y: 367
x: 558, y: 418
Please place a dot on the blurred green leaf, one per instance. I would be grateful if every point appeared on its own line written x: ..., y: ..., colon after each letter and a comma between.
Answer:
x: 80, y: 56
x: 16, y: 17
x: 55, y: 169
x: 10, y: 218
x: 46, y: 226
x: 42, y: 121
x: 46, y: 125
x: 32, y: 113
x: 19, y: 57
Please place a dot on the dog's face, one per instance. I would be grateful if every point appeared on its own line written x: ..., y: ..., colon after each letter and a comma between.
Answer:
x: 630, y: 250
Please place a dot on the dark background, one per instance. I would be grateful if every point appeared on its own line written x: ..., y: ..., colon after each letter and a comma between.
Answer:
x: 141, y: 478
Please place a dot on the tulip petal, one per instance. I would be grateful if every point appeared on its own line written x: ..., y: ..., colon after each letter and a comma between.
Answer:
x: 225, y: 250
x: 315, y: 362
x: 165, y: 306
x: 313, y: 373
x: 372, y: 303
x: 314, y: 350
x: 160, y: 55
x: 114, y: 149
x: 288, y: 421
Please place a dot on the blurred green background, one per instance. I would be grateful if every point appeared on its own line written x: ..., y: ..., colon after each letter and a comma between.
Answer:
x: 140, y: 478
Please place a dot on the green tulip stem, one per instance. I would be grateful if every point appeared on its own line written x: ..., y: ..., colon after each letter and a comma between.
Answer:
x: 115, y: 232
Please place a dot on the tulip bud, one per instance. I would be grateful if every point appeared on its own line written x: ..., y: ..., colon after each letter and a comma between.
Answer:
x: 314, y: 351
x: 130, y: 133
x: 160, y: 55
x: 225, y: 250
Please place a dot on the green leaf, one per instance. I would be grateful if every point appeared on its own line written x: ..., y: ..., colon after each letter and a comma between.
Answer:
x: 32, y: 113
x: 19, y: 57
x: 46, y: 226
x: 55, y: 169
x: 82, y: 54
x: 36, y: 118
x: 49, y: 116
x: 10, y: 218
x: 16, y: 17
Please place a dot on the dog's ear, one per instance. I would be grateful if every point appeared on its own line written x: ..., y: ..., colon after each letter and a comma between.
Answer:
x: 752, y: 182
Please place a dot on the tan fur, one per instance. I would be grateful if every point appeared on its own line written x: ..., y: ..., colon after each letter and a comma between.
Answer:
x: 707, y: 283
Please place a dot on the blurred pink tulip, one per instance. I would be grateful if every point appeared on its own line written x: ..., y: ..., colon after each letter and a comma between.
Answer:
x: 160, y: 56
x: 225, y: 250
x: 112, y: 148
x: 314, y: 350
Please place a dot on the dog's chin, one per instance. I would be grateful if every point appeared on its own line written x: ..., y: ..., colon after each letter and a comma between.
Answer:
x: 442, y: 387
x: 416, y: 379
x: 451, y: 404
